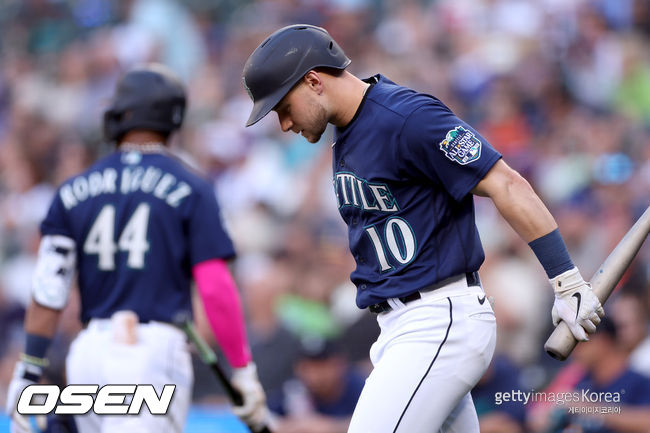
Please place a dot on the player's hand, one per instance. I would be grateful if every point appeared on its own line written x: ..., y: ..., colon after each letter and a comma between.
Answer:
x: 576, y: 304
x: 253, y: 412
x: 20, y: 423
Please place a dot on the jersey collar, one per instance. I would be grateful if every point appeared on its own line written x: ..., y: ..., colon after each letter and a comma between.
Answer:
x: 372, y: 81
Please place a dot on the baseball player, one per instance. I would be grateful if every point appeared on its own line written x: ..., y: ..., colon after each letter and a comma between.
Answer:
x: 138, y: 225
x: 405, y: 171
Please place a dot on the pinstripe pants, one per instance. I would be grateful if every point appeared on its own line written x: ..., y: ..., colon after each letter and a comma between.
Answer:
x: 429, y: 355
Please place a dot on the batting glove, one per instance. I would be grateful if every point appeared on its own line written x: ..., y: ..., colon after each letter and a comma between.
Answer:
x: 253, y: 412
x: 25, y: 374
x: 576, y: 304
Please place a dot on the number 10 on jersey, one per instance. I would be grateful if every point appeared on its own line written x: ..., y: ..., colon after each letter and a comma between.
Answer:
x: 398, y: 238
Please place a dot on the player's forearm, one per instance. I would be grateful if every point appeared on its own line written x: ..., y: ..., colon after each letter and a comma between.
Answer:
x: 517, y: 202
x: 525, y: 212
x: 522, y: 208
x: 223, y: 310
x: 40, y: 326
x: 40, y: 320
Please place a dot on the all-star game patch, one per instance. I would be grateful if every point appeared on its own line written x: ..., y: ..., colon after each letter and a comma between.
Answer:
x: 461, y: 145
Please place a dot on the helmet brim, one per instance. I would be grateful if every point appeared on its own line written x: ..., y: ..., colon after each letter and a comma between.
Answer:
x: 260, y: 109
x: 263, y: 106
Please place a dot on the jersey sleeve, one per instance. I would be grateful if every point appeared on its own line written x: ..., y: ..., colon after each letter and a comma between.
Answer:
x: 55, y: 222
x: 439, y: 146
x: 208, y: 237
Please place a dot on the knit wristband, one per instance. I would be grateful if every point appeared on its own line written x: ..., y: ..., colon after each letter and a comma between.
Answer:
x: 35, y: 349
x: 552, y: 253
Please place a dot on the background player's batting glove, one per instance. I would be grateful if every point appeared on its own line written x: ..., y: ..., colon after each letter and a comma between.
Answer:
x: 576, y: 304
x: 25, y: 373
x: 253, y: 412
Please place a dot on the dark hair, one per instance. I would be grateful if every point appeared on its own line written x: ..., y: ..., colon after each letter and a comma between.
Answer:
x: 607, y: 327
x: 318, y: 348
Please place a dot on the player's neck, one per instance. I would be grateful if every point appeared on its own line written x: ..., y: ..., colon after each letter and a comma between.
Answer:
x: 142, y: 138
x: 349, y: 95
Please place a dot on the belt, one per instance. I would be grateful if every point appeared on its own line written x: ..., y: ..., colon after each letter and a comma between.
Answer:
x: 84, y: 324
x: 471, y: 277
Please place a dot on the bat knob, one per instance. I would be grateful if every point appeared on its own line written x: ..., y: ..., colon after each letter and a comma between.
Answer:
x: 181, y: 318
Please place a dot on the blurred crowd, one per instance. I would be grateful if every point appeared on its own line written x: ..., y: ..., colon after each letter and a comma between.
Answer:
x: 560, y: 87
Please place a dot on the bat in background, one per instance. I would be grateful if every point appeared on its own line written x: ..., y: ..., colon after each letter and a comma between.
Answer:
x: 209, y: 358
x: 561, y: 342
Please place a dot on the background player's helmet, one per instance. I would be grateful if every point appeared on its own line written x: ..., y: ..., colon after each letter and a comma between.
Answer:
x: 283, y: 59
x: 151, y: 97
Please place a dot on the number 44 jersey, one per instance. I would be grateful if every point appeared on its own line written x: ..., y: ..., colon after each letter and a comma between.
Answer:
x: 404, y: 168
x: 140, y: 221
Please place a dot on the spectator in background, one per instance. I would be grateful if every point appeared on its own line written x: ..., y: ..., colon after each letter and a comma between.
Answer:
x: 607, y: 371
x: 323, y: 394
x: 508, y: 416
x: 630, y: 313
x: 273, y: 345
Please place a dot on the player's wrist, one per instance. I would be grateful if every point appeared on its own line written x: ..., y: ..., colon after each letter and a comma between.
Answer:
x: 567, y: 281
x: 552, y: 253
x: 36, y: 346
x: 248, y: 370
x: 33, y: 359
x: 246, y: 380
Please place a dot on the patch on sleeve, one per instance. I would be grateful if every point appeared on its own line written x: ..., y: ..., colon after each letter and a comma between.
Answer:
x: 461, y: 146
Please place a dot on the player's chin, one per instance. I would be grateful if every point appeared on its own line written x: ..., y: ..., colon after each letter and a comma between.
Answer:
x: 312, y: 138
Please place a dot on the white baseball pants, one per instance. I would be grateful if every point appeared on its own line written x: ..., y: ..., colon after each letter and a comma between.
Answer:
x: 158, y: 356
x: 429, y: 355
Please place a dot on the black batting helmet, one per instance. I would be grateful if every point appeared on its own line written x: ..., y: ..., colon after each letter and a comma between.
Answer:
x: 151, y: 97
x: 283, y: 59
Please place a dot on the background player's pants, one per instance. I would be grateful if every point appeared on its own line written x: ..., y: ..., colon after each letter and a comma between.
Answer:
x: 159, y: 356
x: 429, y: 355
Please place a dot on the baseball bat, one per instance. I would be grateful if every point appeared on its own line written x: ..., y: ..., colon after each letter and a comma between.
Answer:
x: 561, y: 342
x: 207, y: 355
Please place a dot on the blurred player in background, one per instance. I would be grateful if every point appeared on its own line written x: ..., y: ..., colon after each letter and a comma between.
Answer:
x: 137, y: 226
x: 405, y: 172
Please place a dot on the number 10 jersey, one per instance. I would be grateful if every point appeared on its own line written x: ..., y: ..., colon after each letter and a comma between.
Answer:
x: 404, y: 168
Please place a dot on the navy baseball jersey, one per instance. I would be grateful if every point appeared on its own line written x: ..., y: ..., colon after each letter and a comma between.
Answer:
x: 403, y: 171
x: 140, y: 222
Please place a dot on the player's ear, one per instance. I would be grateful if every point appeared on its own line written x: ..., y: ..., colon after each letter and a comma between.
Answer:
x: 314, y: 81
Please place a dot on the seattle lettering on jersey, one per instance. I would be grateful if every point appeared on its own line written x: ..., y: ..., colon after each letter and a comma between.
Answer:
x: 151, y: 180
x: 354, y: 191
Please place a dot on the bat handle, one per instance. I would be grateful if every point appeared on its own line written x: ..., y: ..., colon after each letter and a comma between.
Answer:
x: 233, y: 393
